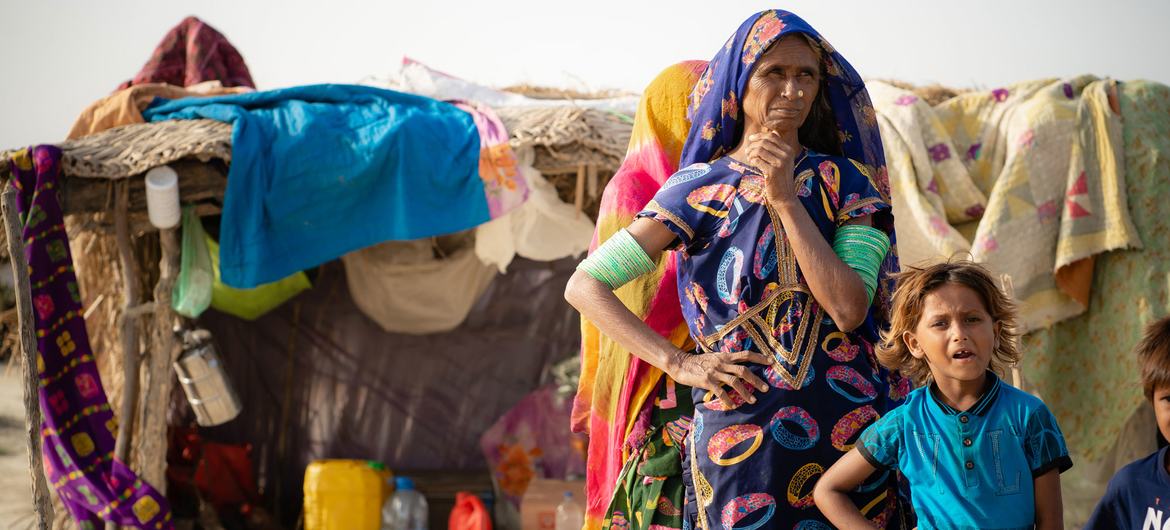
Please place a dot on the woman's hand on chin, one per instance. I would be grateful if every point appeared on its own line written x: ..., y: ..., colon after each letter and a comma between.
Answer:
x: 776, y: 159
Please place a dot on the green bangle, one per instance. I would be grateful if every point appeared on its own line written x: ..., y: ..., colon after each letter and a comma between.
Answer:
x: 862, y: 248
x: 618, y: 261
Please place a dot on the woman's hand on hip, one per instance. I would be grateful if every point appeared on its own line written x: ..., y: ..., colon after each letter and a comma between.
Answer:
x: 776, y: 159
x: 714, y: 371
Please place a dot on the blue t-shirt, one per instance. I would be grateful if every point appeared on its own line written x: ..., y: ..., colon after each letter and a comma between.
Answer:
x: 969, y: 469
x: 1138, y: 497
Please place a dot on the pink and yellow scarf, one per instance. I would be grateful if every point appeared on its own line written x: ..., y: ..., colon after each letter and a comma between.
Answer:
x: 615, y: 385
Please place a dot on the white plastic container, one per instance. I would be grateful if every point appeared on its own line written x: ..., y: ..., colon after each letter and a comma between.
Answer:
x: 570, y: 516
x: 162, y: 197
x: 406, y: 509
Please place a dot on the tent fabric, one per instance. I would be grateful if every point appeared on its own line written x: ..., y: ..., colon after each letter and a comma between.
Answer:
x: 1027, y: 179
x: 318, y: 379
x: 319, y: 171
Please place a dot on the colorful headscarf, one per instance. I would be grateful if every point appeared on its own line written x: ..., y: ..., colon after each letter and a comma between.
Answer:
x: 716, y: 115
x: 78, y: 430
x: 615, y: 385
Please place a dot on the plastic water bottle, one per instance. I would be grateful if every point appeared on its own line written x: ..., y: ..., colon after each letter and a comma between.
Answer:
x: 570, y: 516
x: 406, y: 509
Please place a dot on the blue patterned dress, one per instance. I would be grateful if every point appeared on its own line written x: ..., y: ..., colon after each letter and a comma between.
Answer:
x: 753, y: 466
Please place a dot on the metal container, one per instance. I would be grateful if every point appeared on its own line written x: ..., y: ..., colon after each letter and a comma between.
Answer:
x: 208, y: 389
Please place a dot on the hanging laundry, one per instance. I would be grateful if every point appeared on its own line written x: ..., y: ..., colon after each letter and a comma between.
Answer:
x: 78, y: 429
x: 1027, y: 179
x: 319, y: 171
x: 193, y: 52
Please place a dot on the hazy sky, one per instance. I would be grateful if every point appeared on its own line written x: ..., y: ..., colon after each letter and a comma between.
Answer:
x: 58, y: 55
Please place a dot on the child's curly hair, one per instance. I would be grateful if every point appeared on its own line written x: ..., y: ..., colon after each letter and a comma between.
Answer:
x: 914, y: 284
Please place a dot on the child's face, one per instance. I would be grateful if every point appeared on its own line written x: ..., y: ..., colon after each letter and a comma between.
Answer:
x: 955, y: 334
x: 1162, y: 410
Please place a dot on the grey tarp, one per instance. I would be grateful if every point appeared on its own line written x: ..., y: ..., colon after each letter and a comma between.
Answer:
x: 416, y: 402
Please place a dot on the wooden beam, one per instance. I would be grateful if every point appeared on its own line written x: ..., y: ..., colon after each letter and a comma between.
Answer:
x: 28, y: 357
x: 198, y: 182
x: 129, y: 329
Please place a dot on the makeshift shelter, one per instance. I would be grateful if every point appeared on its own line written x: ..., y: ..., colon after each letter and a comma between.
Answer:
x: 409, y: 392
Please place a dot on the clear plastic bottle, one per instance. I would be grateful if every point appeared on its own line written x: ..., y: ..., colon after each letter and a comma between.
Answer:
x: 406, y: 509
x: 570, y: 516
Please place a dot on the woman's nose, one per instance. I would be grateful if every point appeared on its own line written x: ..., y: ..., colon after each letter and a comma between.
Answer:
x: 788, y: 89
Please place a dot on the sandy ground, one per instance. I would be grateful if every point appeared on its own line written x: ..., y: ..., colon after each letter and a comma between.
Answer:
x: 15, y: 490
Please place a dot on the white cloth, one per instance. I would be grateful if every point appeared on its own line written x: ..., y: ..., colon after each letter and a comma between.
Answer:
x: 418, y: 78
x: 417, y: 287
x: 544, y: 228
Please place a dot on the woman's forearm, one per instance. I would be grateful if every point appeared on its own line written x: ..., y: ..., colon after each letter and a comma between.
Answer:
x: 836, y: 286
x: 597, y: 303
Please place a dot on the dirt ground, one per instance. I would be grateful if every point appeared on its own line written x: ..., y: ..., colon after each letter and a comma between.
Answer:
x: 16, y: 510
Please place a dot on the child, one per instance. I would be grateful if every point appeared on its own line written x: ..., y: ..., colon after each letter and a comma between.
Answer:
x: 977, y: 453
x: 1138, y: 497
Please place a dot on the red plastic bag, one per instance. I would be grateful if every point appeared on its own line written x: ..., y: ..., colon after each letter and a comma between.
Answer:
x: 469, y: 513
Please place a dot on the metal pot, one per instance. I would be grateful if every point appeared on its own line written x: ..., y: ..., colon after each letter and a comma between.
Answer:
x: 208, y: 389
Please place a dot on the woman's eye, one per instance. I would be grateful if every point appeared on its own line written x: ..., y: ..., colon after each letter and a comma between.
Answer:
x: 939, y: 324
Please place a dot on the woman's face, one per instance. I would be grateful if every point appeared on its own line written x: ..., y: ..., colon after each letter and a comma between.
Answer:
x: 783, y: 86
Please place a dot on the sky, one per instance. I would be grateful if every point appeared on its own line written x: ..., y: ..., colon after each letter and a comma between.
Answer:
x: 61, y: 55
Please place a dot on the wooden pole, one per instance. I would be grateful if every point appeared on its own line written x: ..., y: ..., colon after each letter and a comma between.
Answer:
x: 162, y: 351
x: 579, y: 191
x: 129, y: 325
x: 28, y: 355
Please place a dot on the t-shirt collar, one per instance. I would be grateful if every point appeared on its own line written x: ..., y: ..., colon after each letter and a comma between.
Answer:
x: 990, y: 393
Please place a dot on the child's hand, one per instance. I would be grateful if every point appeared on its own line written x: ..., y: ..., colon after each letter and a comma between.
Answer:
x: 832, y: 491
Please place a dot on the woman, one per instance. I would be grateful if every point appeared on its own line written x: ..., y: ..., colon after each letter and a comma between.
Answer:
x: 781, y: 227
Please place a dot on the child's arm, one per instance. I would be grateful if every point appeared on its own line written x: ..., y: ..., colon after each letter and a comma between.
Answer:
x: 831, y: 493
x: 1049, y: 508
